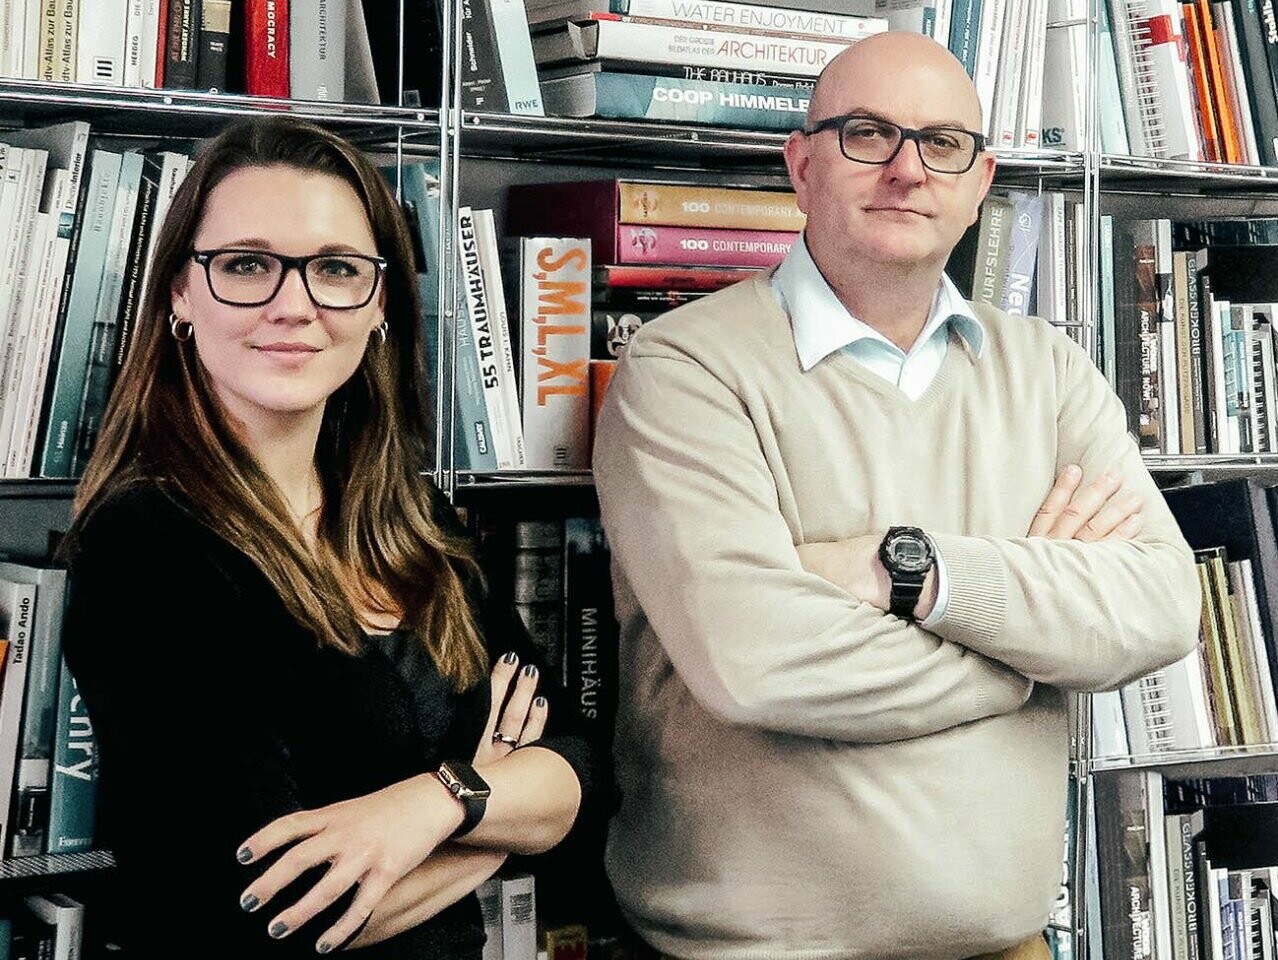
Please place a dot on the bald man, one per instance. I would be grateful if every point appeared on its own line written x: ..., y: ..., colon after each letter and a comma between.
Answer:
x: 866, y: 535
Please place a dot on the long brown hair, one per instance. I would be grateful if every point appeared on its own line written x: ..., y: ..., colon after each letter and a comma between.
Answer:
x: 163, y: 424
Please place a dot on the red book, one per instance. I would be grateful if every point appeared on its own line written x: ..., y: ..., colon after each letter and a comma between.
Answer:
x: 161, y: 51
x: 266, y: 48
x: 669, y: 278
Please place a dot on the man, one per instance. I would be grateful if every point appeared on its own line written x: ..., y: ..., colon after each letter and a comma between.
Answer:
x: 805, y: 774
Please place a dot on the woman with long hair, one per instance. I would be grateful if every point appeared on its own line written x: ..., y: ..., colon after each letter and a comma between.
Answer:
x: 255, y: 534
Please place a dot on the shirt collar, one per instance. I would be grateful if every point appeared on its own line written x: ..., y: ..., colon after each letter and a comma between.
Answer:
x: 822, y: 325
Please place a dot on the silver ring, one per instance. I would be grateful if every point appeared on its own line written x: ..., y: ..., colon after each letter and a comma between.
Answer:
x: 500, y: 737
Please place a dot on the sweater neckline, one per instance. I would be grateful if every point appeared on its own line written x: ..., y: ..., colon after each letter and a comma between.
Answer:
x: 955, y: 352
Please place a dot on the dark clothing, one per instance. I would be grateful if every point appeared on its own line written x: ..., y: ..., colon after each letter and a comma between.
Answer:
x: 243, y: 717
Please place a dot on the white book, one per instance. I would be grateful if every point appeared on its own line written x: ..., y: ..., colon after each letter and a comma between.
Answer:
x: 683, y: 46
x: 489, y: 895
x: 28, y: 327
x: 1030, y: 108
x: 100, y: 42
x: 18, y: 42
x: 490, y: 266
x: 317, y: 50
x: 554, y: 310
x: 32, y: 31
x: 6, y: 37
x: 1188, y: 715
x: 988, y: 46
x: 1064, y: 110
x: 149, y: 36
x: 727, y: 15
x: 914, y: 16
x: 173, y: 167
x: 17, y: 615
x: 518, y: 918
x: 943, y: 10
x: 67, y: 918
x: 1159, y: 894
x: 479, y: 314
x: 1109, y: 731
x: 1135, y: 78
x: 68, y: 37
x: 1218, y: 321
x: 133, y: 43
x: 1011, y: 60
x: 48, y: 40
x: 10, y: 232
x: 19, y: 264
x: 1172, y: 88
x: 1169, y: 384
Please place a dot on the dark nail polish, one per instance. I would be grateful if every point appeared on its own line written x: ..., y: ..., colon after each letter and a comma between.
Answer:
x: 244, y: 854
x: 323, y: 947
x: 530, y: 671
x: 540, y: 701
x: 510, y: 657
x: 249, y: 903
x: 278, y: 929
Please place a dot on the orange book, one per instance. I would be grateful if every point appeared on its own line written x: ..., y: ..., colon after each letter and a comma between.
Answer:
x: 601, y: 372
x: 1202, y: 83
x: 1227, y: 121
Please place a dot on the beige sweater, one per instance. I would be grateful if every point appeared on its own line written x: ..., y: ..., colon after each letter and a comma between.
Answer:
x: 803, y: 775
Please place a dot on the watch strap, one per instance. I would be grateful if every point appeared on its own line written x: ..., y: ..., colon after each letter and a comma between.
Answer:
x: 906, y: 590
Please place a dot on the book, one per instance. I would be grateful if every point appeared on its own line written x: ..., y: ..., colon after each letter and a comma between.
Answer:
x: 73, y: 789
x: 66, y: 916
x: 554, y: 310
x: 317, y: 50
x: 519, y: 917
x: 266, y: 47
x: 17, y: 620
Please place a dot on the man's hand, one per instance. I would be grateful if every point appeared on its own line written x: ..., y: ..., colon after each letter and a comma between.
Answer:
x: 1092, y: 514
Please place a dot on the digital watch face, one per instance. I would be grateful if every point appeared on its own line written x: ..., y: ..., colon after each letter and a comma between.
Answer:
x: 910, y: 554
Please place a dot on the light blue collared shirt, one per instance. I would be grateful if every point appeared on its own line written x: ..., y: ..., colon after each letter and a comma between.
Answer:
x: 822, y: 325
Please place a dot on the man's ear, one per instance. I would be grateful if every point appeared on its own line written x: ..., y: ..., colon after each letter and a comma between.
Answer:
x: 985, y: 165
x: 796, y: 162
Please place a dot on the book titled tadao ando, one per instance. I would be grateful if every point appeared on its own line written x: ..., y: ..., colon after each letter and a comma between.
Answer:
x: 554, y: 314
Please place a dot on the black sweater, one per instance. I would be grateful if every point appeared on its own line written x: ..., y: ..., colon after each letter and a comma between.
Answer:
x: 216, y: 712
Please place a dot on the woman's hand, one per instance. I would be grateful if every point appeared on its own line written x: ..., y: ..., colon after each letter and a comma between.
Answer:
x: 516, y: 717
x: 372, y: 841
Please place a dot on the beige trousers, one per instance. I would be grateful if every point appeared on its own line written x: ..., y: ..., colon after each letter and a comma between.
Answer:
x: 1035, y: 948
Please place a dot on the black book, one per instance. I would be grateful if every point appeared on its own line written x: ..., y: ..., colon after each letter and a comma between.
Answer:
x: 215, y: 35
x: 421, y: 44
x: 181, y: 44
x: 1244, y: 273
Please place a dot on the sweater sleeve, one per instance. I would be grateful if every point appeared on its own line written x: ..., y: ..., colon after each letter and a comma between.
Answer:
x: 691, y: 511
x: 167, y: 655
x: 1085, y: 616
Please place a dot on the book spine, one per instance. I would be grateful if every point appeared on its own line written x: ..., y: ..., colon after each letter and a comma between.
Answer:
x: 317, y: 50
x: 965, y: 20
x: 100, y: 42
x: 1199, y: 371
x: 131, y: 295
x: 150, y: 41
x: 590, y: 671
x: 17, y: 618
x: 133, y: 45
x: 749, y: 16
x: 486, y: 352
x: 48, y: 40
x: 495, y: 296
x: 266, y: 47
x: 1022, y: 255
x: 474, y: 447
x: 555, y: 312
x: 514, y: 51
x: 1264, y: 99
x: 68, y: 32
x: 686, y: 205
x: 215, y: 34
x: 181, y: 46
x: 706, y: 279
x: 73, y: 791
x: 483, y: 88
x: 639, y: 97
x: 671, y: 44
x: 538, y: 589
x: 518, y: 918
x: 636, y: 243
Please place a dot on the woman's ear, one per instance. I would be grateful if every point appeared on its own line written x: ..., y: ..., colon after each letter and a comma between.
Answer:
x: 179, y: 303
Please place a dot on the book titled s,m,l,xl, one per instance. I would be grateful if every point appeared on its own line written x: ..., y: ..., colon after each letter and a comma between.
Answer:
x: 555, y: 346
x: 641, y: 97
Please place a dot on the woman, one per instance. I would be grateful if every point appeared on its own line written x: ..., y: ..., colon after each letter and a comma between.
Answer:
x: 255, y: 528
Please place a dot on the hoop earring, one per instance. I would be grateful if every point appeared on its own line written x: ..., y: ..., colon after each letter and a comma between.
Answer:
x: 181, y: 329
x: 381, y: 331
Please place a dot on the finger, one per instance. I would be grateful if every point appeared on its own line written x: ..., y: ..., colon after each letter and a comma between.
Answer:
x: 371, y: 891
x: 503, y: 672
x: 1057, y: 499
x: 535, y: 725
x: 294, y: 862
x: 1129, y: 529
x: 515, y: 715
x: 278, y: 833
x: 336, y: 881
x: 1085, y: 505
x: 1115, y: 511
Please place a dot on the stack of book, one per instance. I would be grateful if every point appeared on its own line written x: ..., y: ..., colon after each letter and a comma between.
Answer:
x: 748, y: 65
x: 656, y: 246
x: 334, y: 50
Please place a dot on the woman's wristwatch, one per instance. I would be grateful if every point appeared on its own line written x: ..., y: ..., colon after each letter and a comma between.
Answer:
x: 472, y: 790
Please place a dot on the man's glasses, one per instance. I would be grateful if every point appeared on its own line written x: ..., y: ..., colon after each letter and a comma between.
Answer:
x: 252, y: 278
x: 874, y: 140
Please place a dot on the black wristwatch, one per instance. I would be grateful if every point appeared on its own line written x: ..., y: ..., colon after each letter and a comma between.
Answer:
x: 907, y: 556
x: 464, y: 783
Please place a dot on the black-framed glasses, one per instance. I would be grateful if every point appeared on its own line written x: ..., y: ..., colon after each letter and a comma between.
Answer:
x: 865, y: 139
x: 252, y: 278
